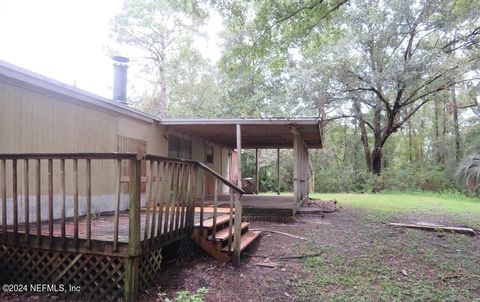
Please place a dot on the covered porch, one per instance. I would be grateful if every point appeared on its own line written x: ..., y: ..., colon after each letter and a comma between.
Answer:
x: 240, y: 134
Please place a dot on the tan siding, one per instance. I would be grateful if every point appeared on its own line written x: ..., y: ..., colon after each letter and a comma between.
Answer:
x: 34, y: 122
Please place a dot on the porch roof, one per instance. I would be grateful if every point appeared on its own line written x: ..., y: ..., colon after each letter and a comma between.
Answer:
x: 256, y: 133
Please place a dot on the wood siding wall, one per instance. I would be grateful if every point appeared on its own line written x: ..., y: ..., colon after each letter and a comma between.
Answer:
x: 33, y: 121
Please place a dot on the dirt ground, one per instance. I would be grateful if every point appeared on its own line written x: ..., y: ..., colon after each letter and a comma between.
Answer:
x: 362, y: 258
x: 251, y: 282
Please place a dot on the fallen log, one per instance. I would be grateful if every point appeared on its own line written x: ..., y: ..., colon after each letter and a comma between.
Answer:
x: 438, y: 228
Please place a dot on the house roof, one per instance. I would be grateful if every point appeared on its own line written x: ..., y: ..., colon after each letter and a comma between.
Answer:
x: 256, y: 133
x: 25, y: 78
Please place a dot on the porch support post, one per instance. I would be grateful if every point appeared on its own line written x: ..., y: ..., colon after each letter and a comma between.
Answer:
x: 239, y: 155
x: 296, y: 163
x: 300, y: 155
x: 305, y: 172
x: 302, y: 170
x: 256, y: 170
x: 278, y: 171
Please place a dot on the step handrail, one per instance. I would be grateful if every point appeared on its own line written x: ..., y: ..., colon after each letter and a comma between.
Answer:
x: 236, y: 193
x: 200, y: 165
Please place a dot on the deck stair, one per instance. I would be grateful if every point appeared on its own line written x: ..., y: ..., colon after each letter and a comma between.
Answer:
x: 215, y: 239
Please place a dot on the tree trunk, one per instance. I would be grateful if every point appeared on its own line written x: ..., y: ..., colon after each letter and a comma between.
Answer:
x: 162, y: 80
x: 438, y: 154
x: 444, y: 130
x: 410, y: 143
x: 377, y: 160
x: 363, y: 135
x: 456, y: 126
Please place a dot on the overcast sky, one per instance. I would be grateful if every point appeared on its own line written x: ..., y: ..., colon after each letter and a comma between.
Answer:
x: 66, y: 39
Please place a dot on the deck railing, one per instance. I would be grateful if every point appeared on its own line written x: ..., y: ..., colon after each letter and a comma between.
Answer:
x: 153, y: 195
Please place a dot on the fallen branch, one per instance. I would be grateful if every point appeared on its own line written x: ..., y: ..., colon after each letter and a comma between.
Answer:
x: 454, y: 276
x: 286, y: 257
x: 425, y: 227
x: 281, y: 233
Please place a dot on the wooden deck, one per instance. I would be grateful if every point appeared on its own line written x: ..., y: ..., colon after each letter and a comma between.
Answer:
x: 102, y: 226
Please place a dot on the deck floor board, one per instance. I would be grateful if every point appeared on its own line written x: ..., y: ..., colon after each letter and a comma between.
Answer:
x: 102, y: 226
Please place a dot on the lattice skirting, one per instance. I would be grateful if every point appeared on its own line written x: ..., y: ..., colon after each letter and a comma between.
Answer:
x: 98, y: 277
x: 185, y: 250
x: 150, y: 268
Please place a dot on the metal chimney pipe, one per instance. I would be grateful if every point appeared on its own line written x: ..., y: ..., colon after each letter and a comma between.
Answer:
x: 120, y: 66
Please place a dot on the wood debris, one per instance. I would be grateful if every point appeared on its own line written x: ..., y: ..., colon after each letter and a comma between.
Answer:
x: 267, y: 263
x: 435, y: 227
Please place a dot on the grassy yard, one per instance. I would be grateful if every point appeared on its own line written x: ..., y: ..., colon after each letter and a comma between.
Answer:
x: 461, y: 209
x: 367, y: 260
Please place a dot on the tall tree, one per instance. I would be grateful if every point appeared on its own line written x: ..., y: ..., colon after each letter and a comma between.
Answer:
x: 156, y: 30
x: 396, y: 58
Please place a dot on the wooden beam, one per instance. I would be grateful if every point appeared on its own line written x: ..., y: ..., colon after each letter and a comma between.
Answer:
x: 237, y: 231
x: 256, y: 170
x: 278, y: 171
x: 239, y: 155
x: 296, y: 169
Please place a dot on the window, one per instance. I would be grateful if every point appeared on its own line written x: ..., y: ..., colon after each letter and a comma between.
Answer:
x: 209, y: 154
x: 179, y: 147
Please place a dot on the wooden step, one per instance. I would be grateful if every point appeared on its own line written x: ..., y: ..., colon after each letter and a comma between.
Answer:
x: 223, y: 234
x: 208, y: 223
x: 211, y: 210
x: 246, y: 240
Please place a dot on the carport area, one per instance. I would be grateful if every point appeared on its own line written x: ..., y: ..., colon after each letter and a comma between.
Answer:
x: 239, y: 134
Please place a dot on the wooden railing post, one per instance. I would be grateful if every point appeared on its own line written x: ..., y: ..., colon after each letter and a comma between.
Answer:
x: 50, y: 199
x: 75, y: 202
x: 15, y: 198
x: 134, y: 247
x: 118, y: 193
x: 154, y: 196
x: 38, y: 198
x: 147, y: 201
x: 237, y: 230
x: 26, y: 196
x: 4, y: 196
x: 202, y: 201
x: 215, y: 209
x: 134, y: 208
x: 193, y: 194
x: 230, y: 221
x: 64, y: 201
x: 162, y: 169
x: 88, y: 206
x: 169, y: 168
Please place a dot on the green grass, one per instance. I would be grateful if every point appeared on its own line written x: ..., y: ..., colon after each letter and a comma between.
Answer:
x: 420, y: 202
x: 364, y: 260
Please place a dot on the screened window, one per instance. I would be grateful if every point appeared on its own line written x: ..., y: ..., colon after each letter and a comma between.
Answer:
x: 209, y: 154
x: 179, y: 147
